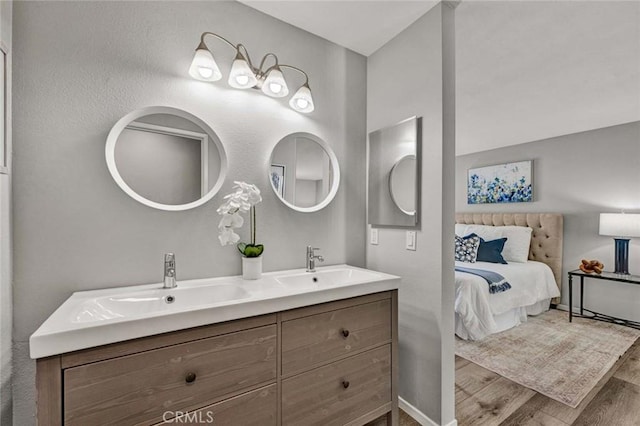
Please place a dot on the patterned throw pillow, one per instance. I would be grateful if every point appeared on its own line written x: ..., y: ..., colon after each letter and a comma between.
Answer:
x: 467, y: 248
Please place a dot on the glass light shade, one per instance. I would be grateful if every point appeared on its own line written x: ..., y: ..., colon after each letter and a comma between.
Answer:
x: 620, y: 224
x: 274, y: 85
x: 241, y: 75
x: 204, y: 67
x: 302, y: 101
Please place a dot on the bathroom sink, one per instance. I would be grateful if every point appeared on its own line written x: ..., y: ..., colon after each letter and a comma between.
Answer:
x: 99, y: 317
x: 328, y: 278
x: 155, y: 300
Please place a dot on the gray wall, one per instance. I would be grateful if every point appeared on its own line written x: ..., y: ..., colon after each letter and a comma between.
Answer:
x: 579, y: 175
x: 424, y: 54
x: 5, y: 236
x: 81, y: 67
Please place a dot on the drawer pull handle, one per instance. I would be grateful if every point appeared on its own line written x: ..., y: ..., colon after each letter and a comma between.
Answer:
x: 345, y: 384
x: 345, y: 333
x: 190, y: 377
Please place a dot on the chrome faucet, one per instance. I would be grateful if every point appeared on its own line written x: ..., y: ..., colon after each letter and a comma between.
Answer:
x: 311, y: 259
x: 169, y: 270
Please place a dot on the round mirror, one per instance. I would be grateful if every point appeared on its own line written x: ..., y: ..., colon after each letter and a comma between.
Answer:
x: 304, y: 172
x: 166, y: 158
x: 402, y: 184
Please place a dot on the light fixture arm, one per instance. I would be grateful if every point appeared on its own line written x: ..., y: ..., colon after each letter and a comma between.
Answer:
x: 246, y: 56
x: 264, y: 58
x: 245, y: 53
x: 219, y: 37
x: 306, y: 82
x: 239, y: 48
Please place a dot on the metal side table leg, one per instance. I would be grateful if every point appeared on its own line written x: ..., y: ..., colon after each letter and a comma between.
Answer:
x: 570, y: 298
x: 581, y: 296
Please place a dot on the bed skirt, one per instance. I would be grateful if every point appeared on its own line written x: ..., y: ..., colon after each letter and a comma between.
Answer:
x: 507, y: 320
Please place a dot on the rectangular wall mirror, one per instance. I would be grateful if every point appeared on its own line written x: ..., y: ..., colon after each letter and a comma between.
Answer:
x: 394, y: 174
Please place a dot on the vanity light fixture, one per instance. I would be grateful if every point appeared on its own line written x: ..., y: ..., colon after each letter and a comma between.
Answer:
x: 245, y: 75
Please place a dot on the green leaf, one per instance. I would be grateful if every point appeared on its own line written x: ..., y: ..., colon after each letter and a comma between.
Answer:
x: 241, y: 247
x: 251, y: 250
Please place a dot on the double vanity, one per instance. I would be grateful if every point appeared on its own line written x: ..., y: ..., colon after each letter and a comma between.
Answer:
x: 292, y: 348
x: 298, y: 347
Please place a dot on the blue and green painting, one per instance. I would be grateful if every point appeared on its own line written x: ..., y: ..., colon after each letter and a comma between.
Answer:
x: 503, y: 183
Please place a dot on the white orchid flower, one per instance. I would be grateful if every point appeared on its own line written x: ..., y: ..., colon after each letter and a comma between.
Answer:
x: 242, y: 200
x: 241, y: 185
x: 223, y: 209
x: 230, y: 206
x: 250, y: 193
x: 228, y: 237
x: 231, y: 221
x: 254, y: 197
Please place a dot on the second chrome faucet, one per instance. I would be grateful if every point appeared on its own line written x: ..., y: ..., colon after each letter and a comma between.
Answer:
x: 311, y: 258
x: 169, y: 271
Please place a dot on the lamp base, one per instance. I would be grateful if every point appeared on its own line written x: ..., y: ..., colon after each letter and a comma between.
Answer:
x: 622, y: 256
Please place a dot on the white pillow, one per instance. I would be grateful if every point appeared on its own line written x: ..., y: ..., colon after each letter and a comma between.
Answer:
x: 516, y: 249
x: 460, y: 227
x: 485, y: 232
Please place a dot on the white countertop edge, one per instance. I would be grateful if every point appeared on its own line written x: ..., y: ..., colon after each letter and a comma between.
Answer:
x: 45, y: 344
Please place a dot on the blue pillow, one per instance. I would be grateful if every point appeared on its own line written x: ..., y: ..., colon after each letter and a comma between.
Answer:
x: 490, y: 251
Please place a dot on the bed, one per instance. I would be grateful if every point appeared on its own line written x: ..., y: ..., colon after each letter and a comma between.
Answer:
x: 535, y: 283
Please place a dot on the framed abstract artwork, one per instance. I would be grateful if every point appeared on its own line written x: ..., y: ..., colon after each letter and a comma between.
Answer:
x: 277, y: 178
x: 501, y: 183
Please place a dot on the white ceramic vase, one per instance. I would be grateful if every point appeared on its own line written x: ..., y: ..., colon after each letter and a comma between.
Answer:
x: 251, y: 268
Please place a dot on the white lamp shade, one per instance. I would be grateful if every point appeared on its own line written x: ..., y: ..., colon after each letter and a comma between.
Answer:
x: 274, y: 85
x: 302, y: 101
x: 204, y: 67
x: 241, y: 75
x: 620, y: 224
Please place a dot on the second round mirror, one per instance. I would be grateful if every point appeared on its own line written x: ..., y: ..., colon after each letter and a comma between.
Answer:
x: 304, y: 172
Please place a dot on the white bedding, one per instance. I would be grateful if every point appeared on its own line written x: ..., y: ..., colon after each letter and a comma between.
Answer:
x: 476, y: 309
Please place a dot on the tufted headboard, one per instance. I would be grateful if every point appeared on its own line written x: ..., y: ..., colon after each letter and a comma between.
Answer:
x: 546, y: 239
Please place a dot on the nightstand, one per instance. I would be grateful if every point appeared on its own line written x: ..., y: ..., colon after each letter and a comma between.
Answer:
x: 605, y: 276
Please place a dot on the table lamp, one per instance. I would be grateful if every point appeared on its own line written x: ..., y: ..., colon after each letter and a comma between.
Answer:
x: 621, y: 226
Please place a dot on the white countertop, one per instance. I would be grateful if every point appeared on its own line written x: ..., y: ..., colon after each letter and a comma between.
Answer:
x: 73, y: 326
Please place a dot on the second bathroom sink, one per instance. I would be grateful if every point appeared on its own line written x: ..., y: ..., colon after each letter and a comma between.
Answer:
x: 328, y: 278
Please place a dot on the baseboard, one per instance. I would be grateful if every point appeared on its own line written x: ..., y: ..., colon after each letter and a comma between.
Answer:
x: 419, y: 416
x: 566, y: 308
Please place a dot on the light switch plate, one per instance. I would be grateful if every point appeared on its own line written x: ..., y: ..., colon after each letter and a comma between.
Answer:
x: 411, y: 240
x: 374, y: 236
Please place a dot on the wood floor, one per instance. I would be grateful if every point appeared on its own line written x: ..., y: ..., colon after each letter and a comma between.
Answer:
x: 405, y: 420
x: 484, y: 398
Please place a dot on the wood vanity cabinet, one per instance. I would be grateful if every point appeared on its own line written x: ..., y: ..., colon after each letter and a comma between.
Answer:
x: 329, y: 364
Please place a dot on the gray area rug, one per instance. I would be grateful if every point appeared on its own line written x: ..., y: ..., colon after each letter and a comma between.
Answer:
x: 561, y: 360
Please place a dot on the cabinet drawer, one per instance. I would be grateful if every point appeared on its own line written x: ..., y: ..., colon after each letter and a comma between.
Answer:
x: 339, y: 392
x: 318, y: 338
x: 140, y: 388
x: 255, y: 408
